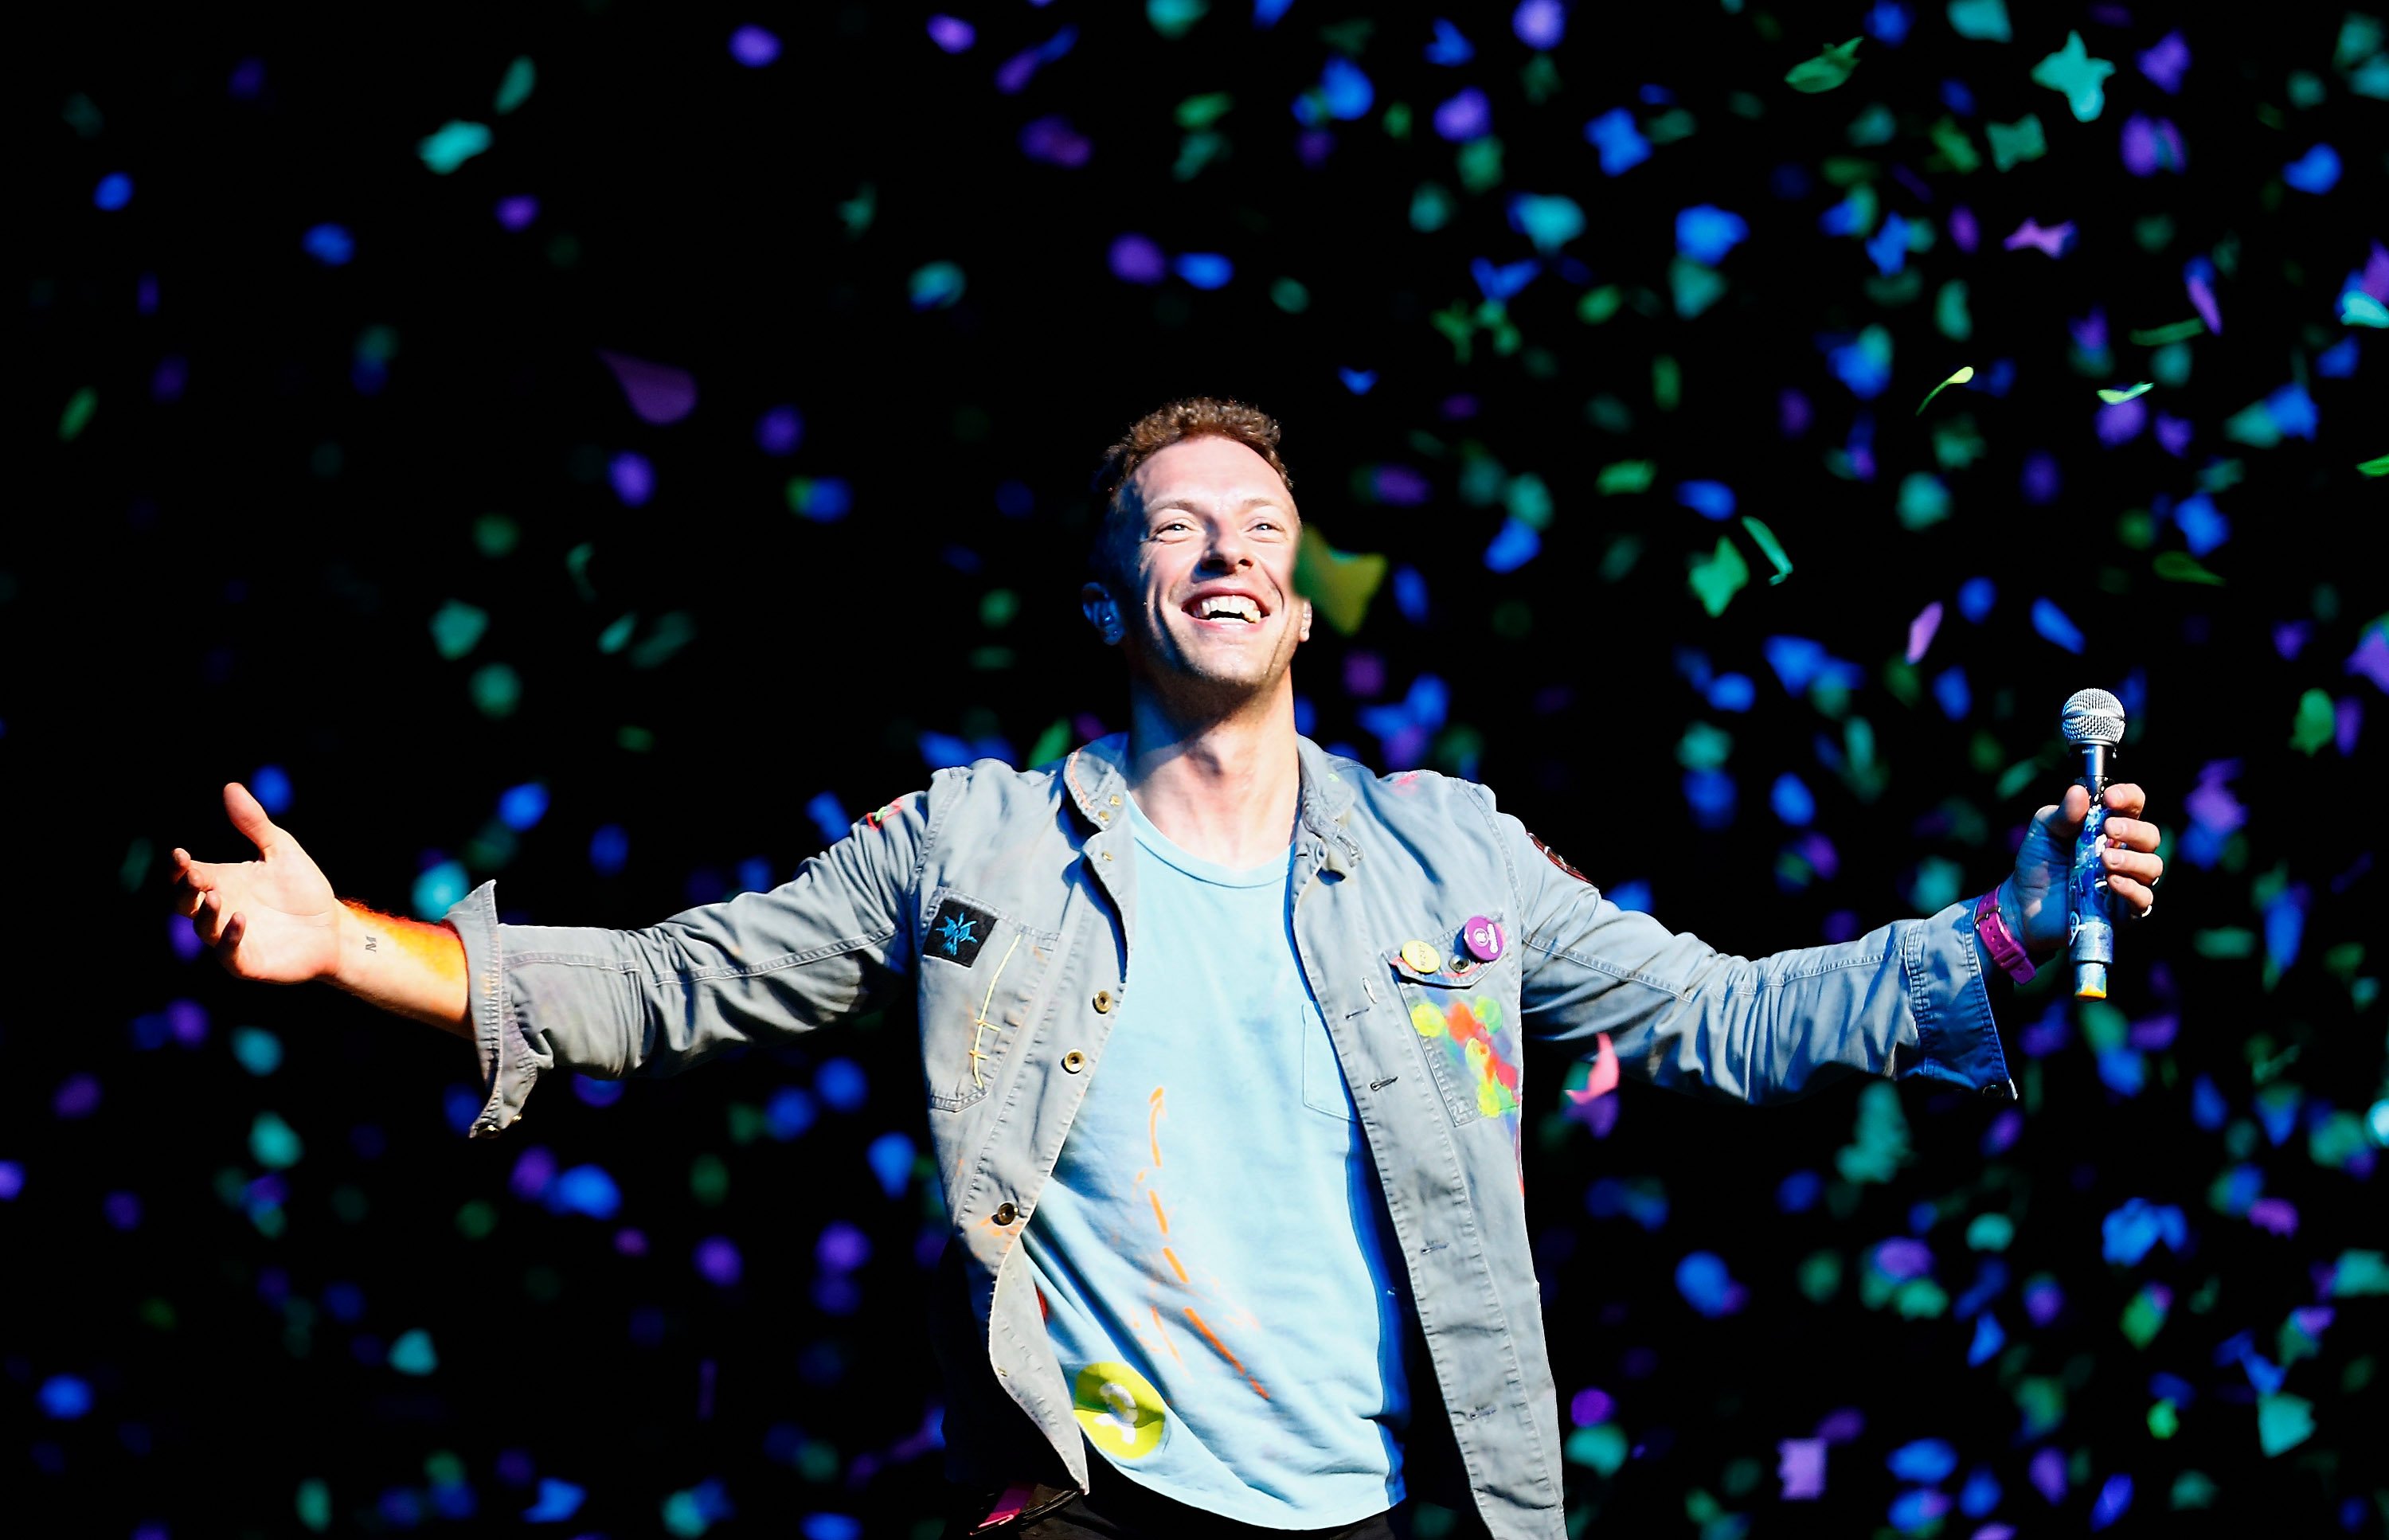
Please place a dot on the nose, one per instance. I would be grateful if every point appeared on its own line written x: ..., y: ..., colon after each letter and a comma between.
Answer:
x: 1227, y: 550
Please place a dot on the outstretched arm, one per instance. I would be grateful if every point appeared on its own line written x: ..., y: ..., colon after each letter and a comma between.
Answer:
x: 276, y: 919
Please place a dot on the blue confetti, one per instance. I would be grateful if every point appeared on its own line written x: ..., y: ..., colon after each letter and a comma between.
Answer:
x: 558, y: 1500
x: 1448, y: 47
x: 1701, y: 1278
x: 1793, y: 801
x: 1513, y: 546
x: 2053, y: 625
x: 65, y: 1397
x: 329, y: 244
x: 1205, y: 270
x: 521, y: 808
x: 1706, y: 233
x: 2314, y: 172
x: 1927, y: 1459
x: 1975, y: 597
x: 584, y: 1189
x: 1621, y: 143
x: 115, y: 190
x: 841, y: 1083
x: 1711, y: 500
x: 609, y: 849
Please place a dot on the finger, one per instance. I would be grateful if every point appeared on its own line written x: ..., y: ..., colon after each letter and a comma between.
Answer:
x: 208, y: 919
x: 2070, y: 811
x: 187, y: 899
x: 2133, y: 833
x: 2132, y: 893
x: 248, y: 816
x: 201, y: 876
x: 2133, y: 863
x: 234, y: 928
x: 2127, y: 798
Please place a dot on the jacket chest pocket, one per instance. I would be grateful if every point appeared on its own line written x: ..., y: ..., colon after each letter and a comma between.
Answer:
x: 983, y: 977
x: 1464, y: 1015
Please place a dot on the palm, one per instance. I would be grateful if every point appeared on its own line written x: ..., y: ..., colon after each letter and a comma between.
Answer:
x: 2043, y: 865
x: 275, y: 918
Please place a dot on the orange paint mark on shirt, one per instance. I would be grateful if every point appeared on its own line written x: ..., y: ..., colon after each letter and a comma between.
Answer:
x: 1159, y: 1217
x: 1234, y: 1362
x: 1152, y: 1125
x: 1162, y: 1332
x: 1175, y: 1266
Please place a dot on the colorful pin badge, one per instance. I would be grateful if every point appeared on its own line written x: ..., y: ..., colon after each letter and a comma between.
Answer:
x: 1482, y: 939
x: 1422, y: 958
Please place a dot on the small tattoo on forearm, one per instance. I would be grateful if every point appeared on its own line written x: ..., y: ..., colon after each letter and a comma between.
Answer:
x: 372, y: 943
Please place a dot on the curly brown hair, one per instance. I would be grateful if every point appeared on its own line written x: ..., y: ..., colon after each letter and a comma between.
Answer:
x: 1195, y: 417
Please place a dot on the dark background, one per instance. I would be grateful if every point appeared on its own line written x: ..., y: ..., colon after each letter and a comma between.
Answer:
x: 198, y: 584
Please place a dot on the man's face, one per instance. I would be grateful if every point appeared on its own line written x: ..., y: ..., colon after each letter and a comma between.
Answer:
x: 1207, y: 547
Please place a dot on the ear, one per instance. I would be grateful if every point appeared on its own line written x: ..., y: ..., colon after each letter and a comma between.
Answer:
x: 1095, y: 604
x: 1302, y: 628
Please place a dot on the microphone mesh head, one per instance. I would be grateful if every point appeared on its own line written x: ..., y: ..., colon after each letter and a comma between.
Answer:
x: 2093, y: 717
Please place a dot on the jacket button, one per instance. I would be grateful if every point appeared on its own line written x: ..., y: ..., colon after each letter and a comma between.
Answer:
x: 1074, y: 1062
x: 1005, y: 1214
x: 1103, y: 1002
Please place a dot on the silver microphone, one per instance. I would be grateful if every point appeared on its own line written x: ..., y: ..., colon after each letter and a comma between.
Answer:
x: 2093, y: 723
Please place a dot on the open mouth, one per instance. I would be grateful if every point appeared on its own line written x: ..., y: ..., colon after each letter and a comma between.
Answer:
x: 1241, y: 609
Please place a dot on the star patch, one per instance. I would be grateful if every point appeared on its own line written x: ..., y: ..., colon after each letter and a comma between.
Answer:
x: 1557, y: 859
x: 957, y: 931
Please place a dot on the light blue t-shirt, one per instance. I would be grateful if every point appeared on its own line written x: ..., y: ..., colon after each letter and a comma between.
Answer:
x: 1212, y: 1253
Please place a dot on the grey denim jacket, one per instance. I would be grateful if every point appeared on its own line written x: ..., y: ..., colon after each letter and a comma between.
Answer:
x: 1031, y: 875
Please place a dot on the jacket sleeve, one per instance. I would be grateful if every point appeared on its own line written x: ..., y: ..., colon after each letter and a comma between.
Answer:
x: 1908, y: 999
x: 657, y: 1001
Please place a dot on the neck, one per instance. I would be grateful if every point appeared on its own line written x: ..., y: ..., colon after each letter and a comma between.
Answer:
x: 1220, y: 783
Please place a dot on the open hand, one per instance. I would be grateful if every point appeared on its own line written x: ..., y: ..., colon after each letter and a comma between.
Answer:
x: 2033, y: 899
x: 275, y: 918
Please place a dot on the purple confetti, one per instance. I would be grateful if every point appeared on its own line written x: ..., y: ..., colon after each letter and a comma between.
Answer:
x: 1590, y: 1406
x: 2172, y: 434
x: 2202, y: 299
x: 1135, y: 260
x: 2152, y: 145
x: 1964, y: 230
x: 1053, y: 141
x: 754, y: 46
x: 2165, y: 63
x: 2121, y: 422
x: 1901, y: 1258
x: 1540, y: 23
x: 77, y: 1097
x: 2047, y: 1474
x: 2371, y: 657
x: 633, y: 479
x: 718, y: 1262
x: 658, y: 392
x: 2277, y: 1215
x: 1465, y: 116
x: 952, y: 34
x: 1801, y: 1465
x: 518, y: 211
x: 2049, y: 242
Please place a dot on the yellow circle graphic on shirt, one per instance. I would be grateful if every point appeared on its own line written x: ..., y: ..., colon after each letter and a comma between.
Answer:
x: 1120, y: 1409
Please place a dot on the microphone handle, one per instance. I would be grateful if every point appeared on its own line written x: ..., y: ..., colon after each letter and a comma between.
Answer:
x: 2089, y: 926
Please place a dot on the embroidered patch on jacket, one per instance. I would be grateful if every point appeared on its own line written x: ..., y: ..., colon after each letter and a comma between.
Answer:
x: 1556, y: 858
x: 957, y: 931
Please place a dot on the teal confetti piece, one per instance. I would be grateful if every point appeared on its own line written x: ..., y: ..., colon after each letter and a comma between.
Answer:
x: 457, y: 142
x: 515, y: 88
x: 1718, y: 577
x: 1770, y: 547
x: 1983, y: 20
x: 2283, y: 1422
x: 2179, y: 331
x: 77, y: 415
x: 2074, y: 74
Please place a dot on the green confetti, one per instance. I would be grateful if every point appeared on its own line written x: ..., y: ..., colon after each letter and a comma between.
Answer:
x: 1338, y: 584
x: 614, y: 638
x: 1965, y: 371
x: 1952, y: 317
x: 1288, y: 295
x: 1984, y: 20
x: 273, y: 1143
x: 1625, y: 476
x: 77, y: 417
x: 1990, y: 1233
x: 413, y: 1352
x: 1601, y: 1447
x: 2180, y: 566
x: 1825, y: 71
x: 1770, y: 547
x: 457, y: 142
x: 496, y: 690
x: 2360, y: 309
x: 2178, y: 331
x: 2315, y: 724
x: 313, y: 1505
x: 2117, y: 397
x: 2164, y: 1419
x: 1174, y: 18
x: 856, y: 212
x: 1716, y: 578
x: 1051, y: 743
x: 2375, y: 468
x: 935, y: 285
x: 2074, y: 74
x: 2359, y: 1272
x: 1201, y: 112
x: 668, y: 635
x: 1955, y: 147
x: 2014, y: 144
x: 1694, y: 286
x: 1599, y: 304
x: 456, y: 629
x: 2283, y: 1422
x: 515, y: 88
x: 1924, y: 501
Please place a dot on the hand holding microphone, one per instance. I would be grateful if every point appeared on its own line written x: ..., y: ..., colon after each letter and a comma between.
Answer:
x: 2086, y: 860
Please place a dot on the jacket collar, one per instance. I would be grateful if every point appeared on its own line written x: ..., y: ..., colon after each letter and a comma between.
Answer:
x: 1096, y: 777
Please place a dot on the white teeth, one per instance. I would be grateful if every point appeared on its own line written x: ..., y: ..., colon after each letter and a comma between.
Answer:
x: 1231, y: 605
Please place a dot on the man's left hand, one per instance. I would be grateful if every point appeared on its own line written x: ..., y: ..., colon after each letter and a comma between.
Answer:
x: 2034, y: 898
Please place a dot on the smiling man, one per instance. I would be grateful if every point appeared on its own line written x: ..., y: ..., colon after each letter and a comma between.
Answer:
x: 1220, y: 1040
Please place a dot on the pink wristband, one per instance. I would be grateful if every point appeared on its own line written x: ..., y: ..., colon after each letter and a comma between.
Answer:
x: 1998, y: 940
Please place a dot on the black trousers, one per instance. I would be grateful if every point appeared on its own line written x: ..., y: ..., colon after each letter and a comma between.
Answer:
x: 1119, y: 1509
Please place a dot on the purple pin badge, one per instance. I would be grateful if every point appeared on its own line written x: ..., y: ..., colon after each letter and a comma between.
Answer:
x: 1482, y: 937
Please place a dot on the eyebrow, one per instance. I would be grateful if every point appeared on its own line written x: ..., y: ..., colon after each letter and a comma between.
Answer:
x: 1263, y: 501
